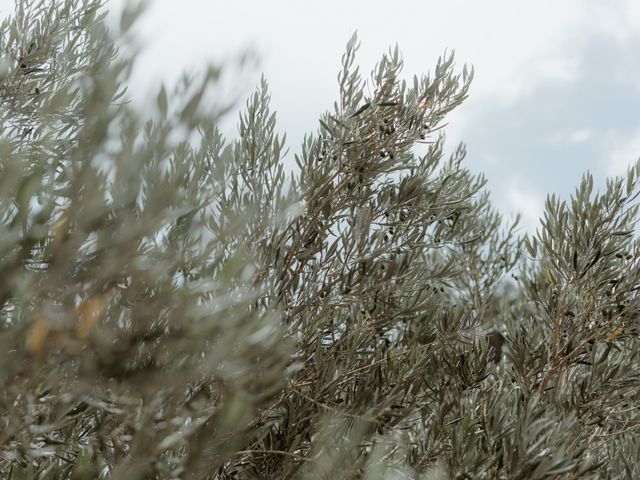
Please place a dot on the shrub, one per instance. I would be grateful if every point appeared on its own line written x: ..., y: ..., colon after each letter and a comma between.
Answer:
x: 175, y: 305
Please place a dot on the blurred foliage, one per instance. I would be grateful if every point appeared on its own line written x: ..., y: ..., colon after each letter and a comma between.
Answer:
x: 176, y: 305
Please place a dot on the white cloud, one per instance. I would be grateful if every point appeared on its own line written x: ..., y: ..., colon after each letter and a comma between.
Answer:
x: 622, y: 152
x: 515, y: 48
x: 579, y: 136
x: 513, y: 45
x: 524, y: 199
x: 489, y: 159
x: 516, y: 43
x: 620, y: 22
x: 570, y: 137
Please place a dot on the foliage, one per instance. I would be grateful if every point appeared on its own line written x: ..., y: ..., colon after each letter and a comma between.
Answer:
x: 174, y: 305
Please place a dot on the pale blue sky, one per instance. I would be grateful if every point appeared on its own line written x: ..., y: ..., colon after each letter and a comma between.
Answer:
x: 556, y: 92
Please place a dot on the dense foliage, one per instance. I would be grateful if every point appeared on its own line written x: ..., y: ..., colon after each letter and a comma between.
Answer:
x: 177, y: 305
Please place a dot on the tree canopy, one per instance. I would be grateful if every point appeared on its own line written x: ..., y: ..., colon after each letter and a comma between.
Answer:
x: 175, y: 304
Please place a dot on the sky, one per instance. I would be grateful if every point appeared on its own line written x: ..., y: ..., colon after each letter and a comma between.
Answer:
x: 556, y: 89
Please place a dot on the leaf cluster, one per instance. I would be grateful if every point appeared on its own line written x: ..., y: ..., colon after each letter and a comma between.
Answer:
x: 177, y: 305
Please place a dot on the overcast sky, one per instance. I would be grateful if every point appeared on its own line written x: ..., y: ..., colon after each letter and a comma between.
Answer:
x: 556, y: 90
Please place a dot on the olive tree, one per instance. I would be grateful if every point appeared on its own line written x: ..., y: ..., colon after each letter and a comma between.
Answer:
x: 174, y: 304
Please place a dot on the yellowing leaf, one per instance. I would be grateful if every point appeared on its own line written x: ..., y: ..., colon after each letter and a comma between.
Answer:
x: 36, y: 335
x: 59, y: 231
x: 89, y: 313
x: 615, y: 334
x: 41, y: 389
x: 550, y: 278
